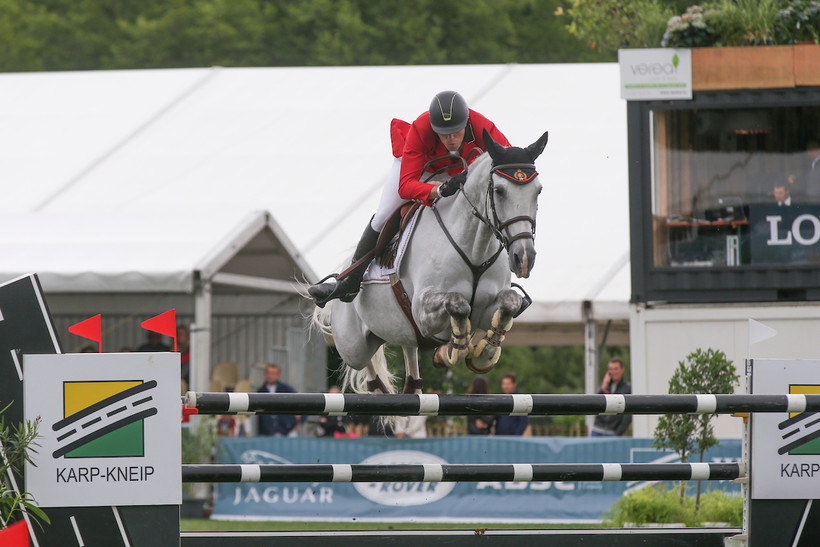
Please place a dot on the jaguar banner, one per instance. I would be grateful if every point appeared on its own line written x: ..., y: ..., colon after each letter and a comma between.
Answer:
x: 454, y: 502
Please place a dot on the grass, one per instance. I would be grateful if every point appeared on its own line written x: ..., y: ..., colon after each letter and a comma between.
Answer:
x: 205, y: 525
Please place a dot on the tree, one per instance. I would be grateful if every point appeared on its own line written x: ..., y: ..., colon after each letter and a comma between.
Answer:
x: 614, y: 24
x: 701, y: 372
x: 107, y: 34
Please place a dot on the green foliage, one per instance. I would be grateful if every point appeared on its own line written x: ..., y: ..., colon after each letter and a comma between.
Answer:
x: 542, y: 369
x: 105, y: 34
x: 198, y: 444
x: 701, y: 372
x: 17, y: 442
x: 657, y: 504
x: 744, y: 22
x: 718, y: 506
x: 614, y: 24
x: 798, y: 22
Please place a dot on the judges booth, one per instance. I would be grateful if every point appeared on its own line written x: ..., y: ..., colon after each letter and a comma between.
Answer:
x: 726, y: 199
x: 724, y: 187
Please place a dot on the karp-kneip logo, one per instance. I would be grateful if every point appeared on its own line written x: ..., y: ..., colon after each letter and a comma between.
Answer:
x: 801, y: 431
x: 104, y: 419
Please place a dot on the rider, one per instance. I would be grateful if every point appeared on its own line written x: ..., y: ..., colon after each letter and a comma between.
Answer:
x: 449, y: 127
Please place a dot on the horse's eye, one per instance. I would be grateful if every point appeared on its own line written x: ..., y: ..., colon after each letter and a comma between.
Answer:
x: 500, y: 191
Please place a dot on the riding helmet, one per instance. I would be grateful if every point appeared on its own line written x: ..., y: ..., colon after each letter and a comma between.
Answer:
x: 448, y: 112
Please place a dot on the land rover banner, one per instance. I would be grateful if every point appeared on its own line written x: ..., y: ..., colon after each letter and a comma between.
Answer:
x: 430, y: 501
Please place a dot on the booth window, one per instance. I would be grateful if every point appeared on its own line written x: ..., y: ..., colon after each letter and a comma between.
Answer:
x: 735, y: 187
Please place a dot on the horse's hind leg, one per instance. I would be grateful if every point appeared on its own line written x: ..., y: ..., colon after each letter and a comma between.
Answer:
x: 439, y: 308
x: 485, y: 354
x: 412, y: 383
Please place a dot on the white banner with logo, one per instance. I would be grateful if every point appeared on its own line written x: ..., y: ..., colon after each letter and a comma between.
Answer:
x: 109, y: 430
x: 655, y: 74
x: 785, y: 446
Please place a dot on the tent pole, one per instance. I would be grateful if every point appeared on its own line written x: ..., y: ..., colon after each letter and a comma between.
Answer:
x: 590, y: 355
x: 201, y: 335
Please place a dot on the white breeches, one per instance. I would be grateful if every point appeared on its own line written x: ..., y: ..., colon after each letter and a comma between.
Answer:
x: 390, y: 199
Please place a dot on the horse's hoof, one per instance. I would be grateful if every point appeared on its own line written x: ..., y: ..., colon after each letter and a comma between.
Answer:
x: 438, y: 359
x: 411, y: 385
x: 471, y: 366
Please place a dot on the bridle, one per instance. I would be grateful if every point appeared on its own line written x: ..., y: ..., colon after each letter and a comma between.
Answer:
x: 519, y: 176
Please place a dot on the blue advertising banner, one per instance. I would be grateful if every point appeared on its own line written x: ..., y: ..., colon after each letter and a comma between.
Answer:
x: 453, y: 502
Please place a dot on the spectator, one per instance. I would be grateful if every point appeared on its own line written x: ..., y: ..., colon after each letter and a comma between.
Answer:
x: 154, y: 343
x: 809, y: 182
x: 413, y: 427
x: 184, y: 348
x: 277, y: 426
x: 510, y: 425
x: 226, y: 426
x: 334, y: 426
x: 781, y: 194
x: 613, y: 383
x: 479, y: 425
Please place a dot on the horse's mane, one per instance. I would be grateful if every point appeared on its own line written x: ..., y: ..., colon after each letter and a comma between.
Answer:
x: 481, y: 166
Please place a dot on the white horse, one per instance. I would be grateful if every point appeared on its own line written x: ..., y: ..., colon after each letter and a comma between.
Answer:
x: 454, y: 274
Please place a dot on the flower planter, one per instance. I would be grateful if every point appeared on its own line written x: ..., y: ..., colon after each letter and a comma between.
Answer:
x: 758, y: 67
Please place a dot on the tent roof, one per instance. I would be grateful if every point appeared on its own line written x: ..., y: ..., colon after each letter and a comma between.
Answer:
x: 105, y: 252
x: 124, y: 150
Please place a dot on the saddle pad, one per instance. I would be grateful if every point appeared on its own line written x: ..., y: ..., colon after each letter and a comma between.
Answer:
x: 376, y: 273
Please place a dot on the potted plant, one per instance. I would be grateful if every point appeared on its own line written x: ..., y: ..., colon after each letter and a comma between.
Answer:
x: 17, y: 443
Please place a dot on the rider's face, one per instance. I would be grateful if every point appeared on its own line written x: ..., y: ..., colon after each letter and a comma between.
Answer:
x: 452, y: 141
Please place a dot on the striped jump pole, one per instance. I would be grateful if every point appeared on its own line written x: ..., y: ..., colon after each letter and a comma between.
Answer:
x: 518, y: 472
x: 339, y: 404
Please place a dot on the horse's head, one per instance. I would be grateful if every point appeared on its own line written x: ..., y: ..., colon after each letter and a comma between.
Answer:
x: 514, y: 189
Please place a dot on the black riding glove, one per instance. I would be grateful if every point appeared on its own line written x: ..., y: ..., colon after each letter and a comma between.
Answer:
x: 451, y: 186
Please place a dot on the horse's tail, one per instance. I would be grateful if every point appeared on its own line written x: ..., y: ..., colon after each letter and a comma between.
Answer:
x: 320, y: 320
x: 352, y: 379
x: 357, y: 380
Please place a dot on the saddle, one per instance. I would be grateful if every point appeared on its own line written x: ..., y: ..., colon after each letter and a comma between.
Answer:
x: 385, y: 253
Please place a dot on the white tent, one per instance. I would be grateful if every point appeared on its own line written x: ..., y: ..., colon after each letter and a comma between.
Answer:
x: 311, y: 146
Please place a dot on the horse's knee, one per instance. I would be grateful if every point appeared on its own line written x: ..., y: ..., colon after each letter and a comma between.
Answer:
x: 457, y: 306
x: 509, y: 301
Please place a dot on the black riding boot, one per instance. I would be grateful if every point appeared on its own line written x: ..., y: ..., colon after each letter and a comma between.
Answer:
x: 347, y: 288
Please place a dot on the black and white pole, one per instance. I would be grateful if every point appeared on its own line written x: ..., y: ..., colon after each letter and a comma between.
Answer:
x: 518, y: 472
x: 340, y: 404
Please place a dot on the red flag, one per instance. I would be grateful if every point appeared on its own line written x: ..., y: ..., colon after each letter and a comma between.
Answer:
x: 15, y: 535
x: 91, y: 328
x: 164, y: 323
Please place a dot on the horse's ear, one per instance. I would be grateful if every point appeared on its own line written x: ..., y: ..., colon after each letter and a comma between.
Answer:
x: 492, y: 147
x: 534, y: 150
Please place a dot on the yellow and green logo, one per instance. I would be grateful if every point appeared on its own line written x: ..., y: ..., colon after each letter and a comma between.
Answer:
x: 801, y: 431
x: 104, y: 419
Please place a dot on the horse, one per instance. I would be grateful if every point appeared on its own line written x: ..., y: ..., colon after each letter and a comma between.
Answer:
x: 456, y: 276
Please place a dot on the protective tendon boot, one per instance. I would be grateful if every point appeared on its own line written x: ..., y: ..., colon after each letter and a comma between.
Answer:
x: 347, y: 288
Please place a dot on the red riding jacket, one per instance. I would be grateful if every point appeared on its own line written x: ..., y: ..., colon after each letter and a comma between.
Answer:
x: 417, y: 144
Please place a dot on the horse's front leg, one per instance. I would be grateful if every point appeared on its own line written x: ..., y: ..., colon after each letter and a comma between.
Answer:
x: 437, y: 309
x: 485, y: 354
